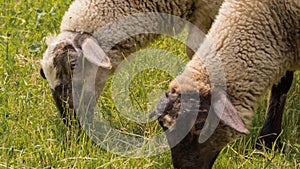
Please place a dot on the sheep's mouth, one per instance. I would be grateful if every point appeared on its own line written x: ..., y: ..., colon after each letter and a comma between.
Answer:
x: 64, y: 103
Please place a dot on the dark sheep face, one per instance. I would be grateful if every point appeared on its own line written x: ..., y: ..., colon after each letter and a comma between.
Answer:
x: 59, y: 75
x: 187, y: 153
x: 60, y: 60
x: 190, y: 152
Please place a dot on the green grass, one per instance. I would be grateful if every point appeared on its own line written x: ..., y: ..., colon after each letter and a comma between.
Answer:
x: 32, y: 134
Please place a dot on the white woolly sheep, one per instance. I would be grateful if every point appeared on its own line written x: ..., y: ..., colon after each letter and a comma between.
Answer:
x: 257, y: 42
x: 80, y: 29
x: 81, y: 32
x: 85, y: 19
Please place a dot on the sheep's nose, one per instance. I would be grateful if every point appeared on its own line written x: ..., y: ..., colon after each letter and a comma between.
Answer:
x: 165, y: 103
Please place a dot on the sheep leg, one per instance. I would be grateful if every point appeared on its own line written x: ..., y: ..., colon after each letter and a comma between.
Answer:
x: 272, y: 126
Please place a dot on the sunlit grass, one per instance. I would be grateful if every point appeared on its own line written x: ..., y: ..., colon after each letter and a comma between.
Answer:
x: 32, y: 134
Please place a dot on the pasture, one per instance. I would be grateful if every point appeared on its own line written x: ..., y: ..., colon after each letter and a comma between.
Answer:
x: 32, y: 135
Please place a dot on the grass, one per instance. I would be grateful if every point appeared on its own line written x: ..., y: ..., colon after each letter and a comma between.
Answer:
x: 32, y: 134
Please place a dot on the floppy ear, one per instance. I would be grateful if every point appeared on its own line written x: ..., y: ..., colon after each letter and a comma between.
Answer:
x: 226, y: 112
x: 94, y: 53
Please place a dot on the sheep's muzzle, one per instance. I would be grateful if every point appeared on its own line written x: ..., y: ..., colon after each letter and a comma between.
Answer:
x: 64, y: 102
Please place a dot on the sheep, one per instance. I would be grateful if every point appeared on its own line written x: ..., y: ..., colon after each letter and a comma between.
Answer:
x: 257, y: 43
x: 81, y: 30
x: 82, y: 33
x: 84, y: 25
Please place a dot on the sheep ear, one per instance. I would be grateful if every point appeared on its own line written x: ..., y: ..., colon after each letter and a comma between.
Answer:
x: 94, y: 53
x: 226, y: 112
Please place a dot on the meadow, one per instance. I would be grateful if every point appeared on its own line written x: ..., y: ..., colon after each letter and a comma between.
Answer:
x: 32, y: 134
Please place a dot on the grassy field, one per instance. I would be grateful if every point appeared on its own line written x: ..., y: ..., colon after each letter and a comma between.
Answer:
x: 32, y: 134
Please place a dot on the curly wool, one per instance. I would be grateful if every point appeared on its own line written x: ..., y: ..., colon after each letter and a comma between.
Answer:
x: 257, y: 42
x: 90, y: 16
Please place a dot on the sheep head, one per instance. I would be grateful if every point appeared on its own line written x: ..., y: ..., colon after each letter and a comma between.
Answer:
x: 211, y: 106
x: 59, y: 62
